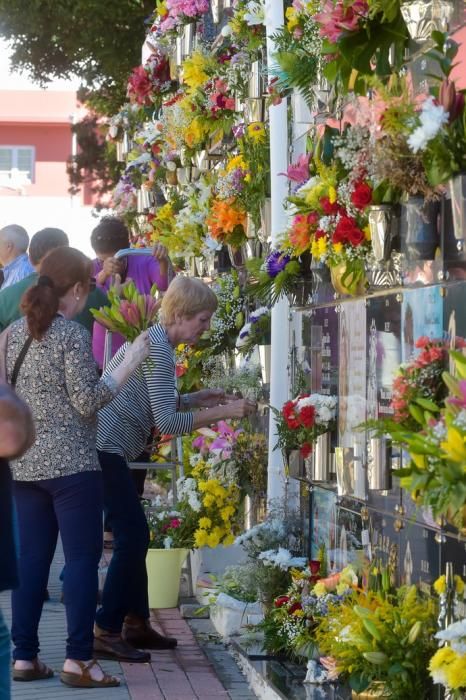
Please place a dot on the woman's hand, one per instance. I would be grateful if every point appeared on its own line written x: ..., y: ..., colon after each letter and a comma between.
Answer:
x: 207, y: 398
x: 137, y: 351
x: 239, y: 408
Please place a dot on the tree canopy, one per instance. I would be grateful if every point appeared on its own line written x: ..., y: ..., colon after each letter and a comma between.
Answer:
x: 99, y: 41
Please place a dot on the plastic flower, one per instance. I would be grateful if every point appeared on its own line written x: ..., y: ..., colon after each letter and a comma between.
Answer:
x: 431, y: 120
x: 336, y: 19
x: 256, y: 131
x: 276, y: 262
x: 255, y: 13
x: 196, y: 69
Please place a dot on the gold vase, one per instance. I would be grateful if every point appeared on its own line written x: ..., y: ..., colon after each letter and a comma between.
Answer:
x: 352, y: 285
x: 375, y: 690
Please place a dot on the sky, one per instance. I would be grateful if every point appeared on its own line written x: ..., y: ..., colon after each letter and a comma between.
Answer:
x: 16, y: 81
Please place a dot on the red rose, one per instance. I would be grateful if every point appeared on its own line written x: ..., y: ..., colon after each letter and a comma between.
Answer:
x: 356, y: 236
x: 361, y: 196
x: 305, y: 449
x: 343, y: 228
x: 327, y: 207
x: 288, y: 412
x: 281, y: 600
x: 307, y: 416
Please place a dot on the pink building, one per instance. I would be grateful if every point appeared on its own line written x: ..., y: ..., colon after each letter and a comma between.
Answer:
x: 36, y: 141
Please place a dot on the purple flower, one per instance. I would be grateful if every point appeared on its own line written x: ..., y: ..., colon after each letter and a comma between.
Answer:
x: 276, y: 262
x: 239, y: 130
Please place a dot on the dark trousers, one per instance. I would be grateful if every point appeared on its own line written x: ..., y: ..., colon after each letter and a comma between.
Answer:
x: 71, y: 505
x: 125, y: 589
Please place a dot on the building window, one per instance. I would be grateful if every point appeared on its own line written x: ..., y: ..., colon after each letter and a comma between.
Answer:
x: 16, y: 166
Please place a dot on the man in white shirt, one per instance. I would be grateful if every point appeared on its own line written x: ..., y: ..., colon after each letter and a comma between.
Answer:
x: 14, y: 242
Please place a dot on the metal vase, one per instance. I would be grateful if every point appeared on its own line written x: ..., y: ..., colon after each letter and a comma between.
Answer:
x: 383, y: 225
x: 189, y: 31
x: 145, y: 200
x: 422, y: 17
x: 120, y: 155
x: 265, y: 230
x: 457, y: 187
x: 265, y: 357
x: 379, y: 464
x: 216, y: 7
x: 320, y: 459
x: 238, y: 256
x: 254, y: 109
x: 179, y: 50
x: 255, y: 84
x: 419, y: 228
x: 295, y: 462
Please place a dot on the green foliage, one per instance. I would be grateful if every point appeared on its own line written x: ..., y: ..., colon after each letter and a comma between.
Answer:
x: 96, y: 40
x: 268, y: 290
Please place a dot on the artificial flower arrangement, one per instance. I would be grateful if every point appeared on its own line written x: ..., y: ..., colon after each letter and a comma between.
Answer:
x: 302, y: 419
x: 171, y: 15
x: 272, y: 277
x: 447, y: 667
x: 255, y: 332
x: 381, y: 641
x: 170, y: 528
x: 359, y: 39
x: 246, y: 28
x: 289, y: 626
x: 273, y: 550
x: 430, y: 423
x: 299, y: 51
x: 439, y: 131
x: 129, y: 312
x: 150, y: 82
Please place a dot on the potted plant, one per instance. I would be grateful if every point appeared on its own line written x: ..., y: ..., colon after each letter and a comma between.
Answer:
x: 381, y: 642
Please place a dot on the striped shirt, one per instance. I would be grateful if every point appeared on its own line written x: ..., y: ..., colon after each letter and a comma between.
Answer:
x: 147, y: 400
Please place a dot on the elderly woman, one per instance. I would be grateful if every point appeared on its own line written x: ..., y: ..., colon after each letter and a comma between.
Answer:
x: 58, y: 483
x: 149, y: 400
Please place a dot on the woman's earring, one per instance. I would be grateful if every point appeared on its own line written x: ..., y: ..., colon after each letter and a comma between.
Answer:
x: 77, y: 298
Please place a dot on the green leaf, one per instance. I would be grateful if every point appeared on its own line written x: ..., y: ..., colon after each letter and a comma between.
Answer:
x: 416, y: 413
x: 428, y: 405
x: 376, y: 657
x: 372, y: 629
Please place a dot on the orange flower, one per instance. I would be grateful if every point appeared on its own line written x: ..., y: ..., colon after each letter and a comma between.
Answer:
x: 300, y: 233
x: 226, y: 217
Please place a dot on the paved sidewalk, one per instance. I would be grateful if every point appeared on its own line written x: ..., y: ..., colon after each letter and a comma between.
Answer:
x: 185, y: 673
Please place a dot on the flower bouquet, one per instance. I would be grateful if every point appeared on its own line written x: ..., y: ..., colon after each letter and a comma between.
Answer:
x: 170, y: 15
x: 227, y: 222
x: 448, y: 665
x: 129, y: 312
x: 170, y: 528
x: 255, y: 332
x: 247, y: 25
x: 150, y: 82
x: 273, y: 277
x: 381, y: 641
x: 290, y: 624
x: 302, y: 420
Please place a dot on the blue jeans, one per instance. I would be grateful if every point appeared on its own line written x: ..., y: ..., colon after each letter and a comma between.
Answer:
x: 5, y: 670
x: 125, y: 589
x: 71, y: 505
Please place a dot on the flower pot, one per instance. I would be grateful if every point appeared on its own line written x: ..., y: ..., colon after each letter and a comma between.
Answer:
x: 320, y: 459
x: 419, y: 233
x: 422, y: 17
x: 457, y: 187
x: 383, y: 225
x: 163, y: 575
x: 379, y: 472
x: 376, y: 690
x: 353, y: 284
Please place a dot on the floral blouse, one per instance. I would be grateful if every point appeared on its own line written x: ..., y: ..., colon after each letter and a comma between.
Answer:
x: 59, y: 381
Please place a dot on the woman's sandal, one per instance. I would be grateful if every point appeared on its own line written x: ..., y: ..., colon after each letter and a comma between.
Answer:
x: 85, y: 680
x: 39, y: 672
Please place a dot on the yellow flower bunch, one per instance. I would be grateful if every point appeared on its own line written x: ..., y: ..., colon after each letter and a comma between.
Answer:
x: 440, y: 585
x: 256, y: 132
x: 196, y: 69
x: 219, y: 508
x: 448, y: 667
x: 319, y: 247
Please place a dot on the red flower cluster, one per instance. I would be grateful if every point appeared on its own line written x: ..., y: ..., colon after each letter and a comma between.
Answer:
x: 347, y: 231
x: 296, y: 419
x: 149, y: 80
x: 219, y: 99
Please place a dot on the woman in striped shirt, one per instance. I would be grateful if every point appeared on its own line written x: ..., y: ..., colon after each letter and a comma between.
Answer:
x: 148, y: 400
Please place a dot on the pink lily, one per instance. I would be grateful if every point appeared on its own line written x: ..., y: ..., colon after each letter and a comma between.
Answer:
x: 130, y: 313
x: 459, y: 400
x: 299, y: 171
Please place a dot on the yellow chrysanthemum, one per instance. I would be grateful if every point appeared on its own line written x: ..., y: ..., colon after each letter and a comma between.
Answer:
x: 337, y: 247
x: 196, y: 69
x: 195, y: 133
x: 236, y: 162
x: 200, y: 538
x: 226, y: 513
x: 229, y: 540
x: 440, y: 585
x: 456, y: 673
x: 332, y: 195
x: 165, y: 213
x: 442, y: 657
x: 322, y: 246
x: 205, y: 523
x: 181, y: 347
x: 203, y: 486
x: 459, y: 585
x: 315, y: 250
x: 208, y: 500
x: 213, y: 540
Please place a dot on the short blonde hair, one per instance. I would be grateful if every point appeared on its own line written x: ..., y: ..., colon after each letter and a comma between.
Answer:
x: 186, y: 296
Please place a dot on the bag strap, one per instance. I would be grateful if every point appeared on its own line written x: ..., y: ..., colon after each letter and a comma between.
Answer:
x: 20, y: 360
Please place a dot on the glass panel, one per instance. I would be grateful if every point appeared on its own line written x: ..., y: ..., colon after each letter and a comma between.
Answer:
x: 6, y: 159
x: 24, y: 160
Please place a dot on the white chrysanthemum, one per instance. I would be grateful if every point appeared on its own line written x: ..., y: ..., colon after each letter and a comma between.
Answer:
x: 255, y: 13
x: 432, y: 118
x: 167, y: 542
